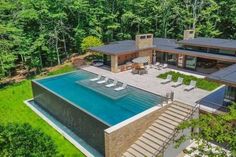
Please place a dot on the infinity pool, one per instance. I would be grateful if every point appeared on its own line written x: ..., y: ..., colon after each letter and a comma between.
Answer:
x: 105, y: 104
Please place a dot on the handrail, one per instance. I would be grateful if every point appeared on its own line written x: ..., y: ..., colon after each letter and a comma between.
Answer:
x: 173, y: 135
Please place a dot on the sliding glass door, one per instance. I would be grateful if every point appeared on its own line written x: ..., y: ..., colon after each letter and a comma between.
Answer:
x: 190, y: 62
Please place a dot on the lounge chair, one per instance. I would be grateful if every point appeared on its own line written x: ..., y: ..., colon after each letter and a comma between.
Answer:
x: 114, y: 83
x: 121, y: 87
x: 191, y: 86
x: 165, y: 66
x: 167, y: 80
x: 157, y: 65
x: 103, y: 81
x: 179, y: 82
x: 96, y: 78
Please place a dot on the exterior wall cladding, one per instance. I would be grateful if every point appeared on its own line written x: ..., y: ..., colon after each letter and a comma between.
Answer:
x: 81, y: 123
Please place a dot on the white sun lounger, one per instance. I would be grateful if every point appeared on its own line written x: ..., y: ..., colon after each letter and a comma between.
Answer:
x: 103, y: 81
x: 121, y: 87
x: 191, y: 86
x: 157, y: 66
x: 179, y: 82
x: 114, y: 83
x: 167, y: 80
x: 96, y: 78
x: 165, y: 66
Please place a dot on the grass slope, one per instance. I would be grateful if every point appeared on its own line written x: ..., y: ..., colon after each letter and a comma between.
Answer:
x: 201, y: 83
x: 13, y: 110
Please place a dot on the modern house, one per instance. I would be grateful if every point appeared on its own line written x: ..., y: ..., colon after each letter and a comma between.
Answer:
x: 141, y: 119
x: 204, y: 55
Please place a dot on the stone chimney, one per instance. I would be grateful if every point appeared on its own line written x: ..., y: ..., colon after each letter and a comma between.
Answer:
x: 144, y: 41
x: 189, y: 34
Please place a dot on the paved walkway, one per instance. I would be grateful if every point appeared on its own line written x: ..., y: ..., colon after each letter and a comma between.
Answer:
x: 153, y: 84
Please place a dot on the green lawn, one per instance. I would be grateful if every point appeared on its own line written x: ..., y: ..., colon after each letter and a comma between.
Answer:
x: 12, y: 109
x: 201, y: 83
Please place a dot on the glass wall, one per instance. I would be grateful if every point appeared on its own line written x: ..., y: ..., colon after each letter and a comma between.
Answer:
x: 166, y: 58
x: 230, y: 94
x: 190, y: 62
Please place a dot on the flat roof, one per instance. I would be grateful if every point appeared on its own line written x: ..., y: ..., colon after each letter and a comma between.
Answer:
x: 226, y: 76
x: 179, y: 50
x: 159, y: 44
x: 118, y: 47
x: 226, y: 44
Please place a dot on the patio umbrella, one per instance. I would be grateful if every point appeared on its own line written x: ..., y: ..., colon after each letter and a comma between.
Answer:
x: 141, y: 60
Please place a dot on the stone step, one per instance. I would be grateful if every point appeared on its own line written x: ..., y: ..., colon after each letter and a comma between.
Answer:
x: 156, y: 135
x: 159, y: 121
x: 168, y: 121
x: 153, y: 139
x: 145, y: 146
x: 164, y: 131
x: 178, y: 111
x: 181, y: 108
x: 127, y: 154
x: 134, y: 152
x: 164, y: 128
x: 149, y: 142
x: 172, y: 117
x: 177, y: 115
x: 141, y: 150
x: 183, y: 105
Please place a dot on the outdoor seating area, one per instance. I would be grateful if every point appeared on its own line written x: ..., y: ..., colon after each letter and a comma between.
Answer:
x: 140, y: 66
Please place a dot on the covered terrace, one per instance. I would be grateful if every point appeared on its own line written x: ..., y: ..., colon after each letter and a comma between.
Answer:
x: 119, y: 55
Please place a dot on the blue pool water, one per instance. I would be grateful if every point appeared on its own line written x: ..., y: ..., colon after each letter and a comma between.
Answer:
x: 104, y: 103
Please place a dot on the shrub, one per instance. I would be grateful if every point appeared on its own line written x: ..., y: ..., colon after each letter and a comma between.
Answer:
x: 90, y: 41
x: 201, y: 83
x: 23, y: 140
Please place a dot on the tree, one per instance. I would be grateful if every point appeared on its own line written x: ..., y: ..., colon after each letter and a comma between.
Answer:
x: 23, y: 140
x: 90, y: 41
x: 212, y: 128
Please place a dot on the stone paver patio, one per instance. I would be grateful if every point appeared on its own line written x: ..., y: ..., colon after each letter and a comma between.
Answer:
x: 150, y: 82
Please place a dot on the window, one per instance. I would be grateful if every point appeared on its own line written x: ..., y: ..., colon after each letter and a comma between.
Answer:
x: 230, y: 93
x: 191, y: 62
x: 212, y: 50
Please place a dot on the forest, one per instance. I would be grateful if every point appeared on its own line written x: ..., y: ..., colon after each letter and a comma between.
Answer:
x: 43, y: 33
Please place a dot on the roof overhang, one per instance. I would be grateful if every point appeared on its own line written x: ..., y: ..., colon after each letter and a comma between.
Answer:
x: 226, y: 76
x: 96, y: 49
x: 223, y: 44
x: 199, y: 54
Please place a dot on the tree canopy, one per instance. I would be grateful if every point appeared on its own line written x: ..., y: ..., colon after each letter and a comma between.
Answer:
x: 39, y: 33
x: 23, y: 140
x: 90, y: 41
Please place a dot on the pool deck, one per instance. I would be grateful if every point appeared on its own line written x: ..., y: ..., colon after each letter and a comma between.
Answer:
x: 151, y: 83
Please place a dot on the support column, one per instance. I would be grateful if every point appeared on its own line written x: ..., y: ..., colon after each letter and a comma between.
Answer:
x: 181, y: 60
x: 114, y: 63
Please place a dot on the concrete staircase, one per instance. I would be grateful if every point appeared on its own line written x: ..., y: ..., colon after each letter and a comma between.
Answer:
x: 155, y: 138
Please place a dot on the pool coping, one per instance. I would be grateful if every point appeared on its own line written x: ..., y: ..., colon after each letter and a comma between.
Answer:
x: 132, y: 119
x: 74, y: 139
